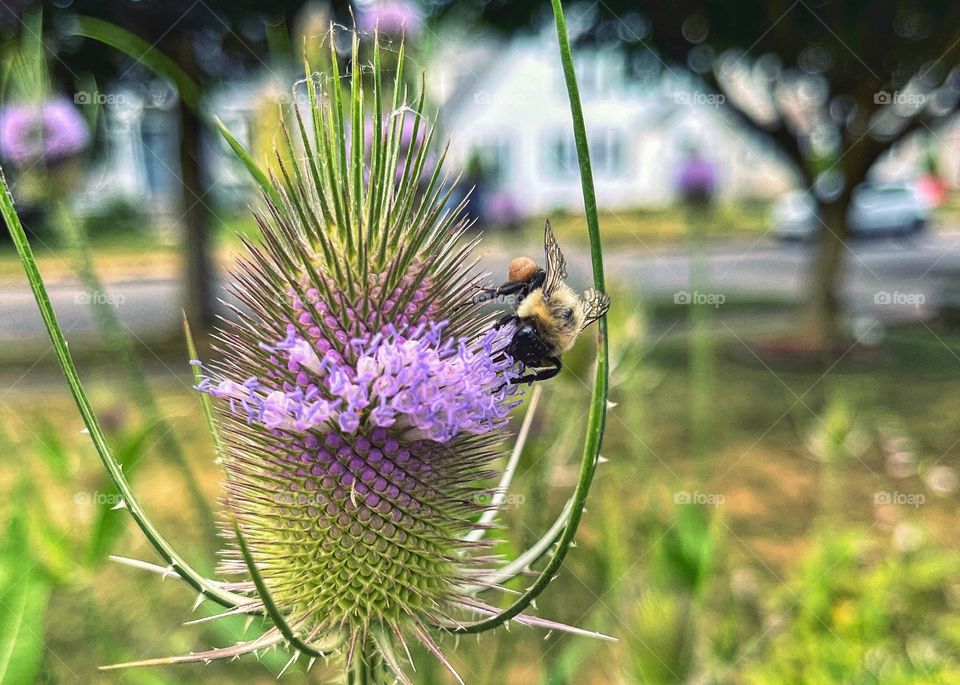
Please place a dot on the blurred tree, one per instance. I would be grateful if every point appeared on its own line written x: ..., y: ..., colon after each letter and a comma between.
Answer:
x: 211, y: 41
x: 831, y: 84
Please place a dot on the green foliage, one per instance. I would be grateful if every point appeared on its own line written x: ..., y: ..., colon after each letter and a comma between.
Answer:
x: 109, y: 522
x: 120, y: 346
x: 666, y: 606
x: 26, y: 75
x: 888, y: 612
x: 22, y: 609
x: 51, y: 449
x: 663, y: 649
x: 252, y: 167
x: 859, y: 615
x: 92, y: 423
x: 685, y: 556
x: 115, y: 221
x: 141, y: 51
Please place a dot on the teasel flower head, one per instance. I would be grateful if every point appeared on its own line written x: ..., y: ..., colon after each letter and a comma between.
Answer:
x: 362, y: 392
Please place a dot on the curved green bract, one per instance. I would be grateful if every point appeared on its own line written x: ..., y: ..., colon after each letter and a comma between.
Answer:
x: 189, y: 90
x: 205, y: 404
x: 598, y: 402
x: 143, y: 52
x: 270, y: 606
x: 60, y: 348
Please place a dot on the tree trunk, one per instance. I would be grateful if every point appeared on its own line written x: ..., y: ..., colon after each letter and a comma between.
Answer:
x: 197, y: 218
x: 823, y: 307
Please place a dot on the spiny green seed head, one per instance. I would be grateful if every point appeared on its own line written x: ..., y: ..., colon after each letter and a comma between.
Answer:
x: 361, y: 391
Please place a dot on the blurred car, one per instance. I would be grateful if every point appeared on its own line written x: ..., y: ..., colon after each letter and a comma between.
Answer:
x: 794, y: 216
x: 876, y: 211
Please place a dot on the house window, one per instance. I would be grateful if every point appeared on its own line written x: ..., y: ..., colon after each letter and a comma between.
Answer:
x: 591, y: 75
x: 608, y: 154
x: 601, y: 74
x: 561, y: 155
x: 608, y: 151
x: 494, y: 157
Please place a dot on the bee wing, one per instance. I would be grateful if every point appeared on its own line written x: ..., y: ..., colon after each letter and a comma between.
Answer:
x: 556, y: 264
x: 595, y: 305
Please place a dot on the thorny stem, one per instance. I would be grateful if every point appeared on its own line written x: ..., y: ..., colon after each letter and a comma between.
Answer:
x: 123, y: 349
x: 272, y: 610
x: 364, y: 670
x: 598, y: 404
x: 61, y: 350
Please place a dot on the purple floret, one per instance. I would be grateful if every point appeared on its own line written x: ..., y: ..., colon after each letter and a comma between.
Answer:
x: 421, y: 382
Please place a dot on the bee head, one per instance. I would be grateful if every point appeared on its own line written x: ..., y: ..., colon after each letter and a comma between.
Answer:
x: 521, y: 269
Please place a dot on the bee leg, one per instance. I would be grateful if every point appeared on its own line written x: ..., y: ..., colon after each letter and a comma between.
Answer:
x: 512, y: 287
x: 542, y: 374
x: 538, y: 280
x: 485, y: 294
x: 518, y: 288
x: 505, y: 319
x: 550, y: 373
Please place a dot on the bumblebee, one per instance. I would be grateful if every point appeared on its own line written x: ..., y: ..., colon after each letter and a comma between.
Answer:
x: 549, y: 314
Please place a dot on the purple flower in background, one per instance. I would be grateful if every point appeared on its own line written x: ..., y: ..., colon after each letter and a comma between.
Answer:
x: 50, y: 131
x: 394, y: 17
x: 501, y: 209
x: 697, y: 180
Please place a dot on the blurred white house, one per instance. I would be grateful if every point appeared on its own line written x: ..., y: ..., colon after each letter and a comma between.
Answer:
x: 504, y: 104
x: 508, y: 108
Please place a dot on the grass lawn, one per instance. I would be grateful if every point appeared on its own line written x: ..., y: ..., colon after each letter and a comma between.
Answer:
x: 789, y: 463
x: 764, y: 463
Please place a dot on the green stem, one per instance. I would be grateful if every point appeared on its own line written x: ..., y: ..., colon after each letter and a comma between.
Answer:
x: 598, y: 403
x: 62, y: 352
x: 141, y: 51
x: 364, y: 669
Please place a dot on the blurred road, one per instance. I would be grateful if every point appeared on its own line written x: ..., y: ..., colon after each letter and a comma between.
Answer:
x: 891, y: 280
